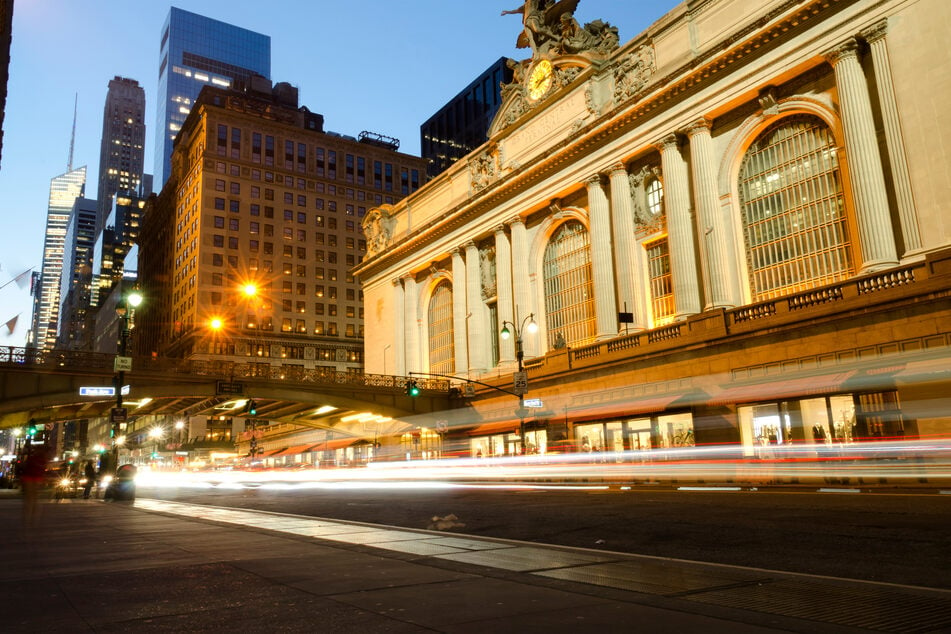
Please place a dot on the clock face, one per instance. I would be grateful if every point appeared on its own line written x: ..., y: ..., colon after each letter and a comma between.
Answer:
x: 540, y: 80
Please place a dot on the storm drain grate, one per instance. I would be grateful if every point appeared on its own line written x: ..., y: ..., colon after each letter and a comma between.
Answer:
x: 881, y: 608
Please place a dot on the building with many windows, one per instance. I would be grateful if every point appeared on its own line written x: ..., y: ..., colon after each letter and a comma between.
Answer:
x: 76, y: 280
x: 729, y: 229
x: 64, y: 190
x: 195, y: 52
x: 247, y: 252
x: 462, y: 124
x: 122, y: 148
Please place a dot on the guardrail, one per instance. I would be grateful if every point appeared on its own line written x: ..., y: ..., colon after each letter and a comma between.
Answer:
x: 73, y: 360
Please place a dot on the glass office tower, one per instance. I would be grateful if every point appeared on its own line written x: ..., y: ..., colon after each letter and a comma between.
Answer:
x: 64, y: 190
x: 197, y: 51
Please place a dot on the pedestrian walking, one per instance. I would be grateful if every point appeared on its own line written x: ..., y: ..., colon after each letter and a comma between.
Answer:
x: 89, y: 472
x: 32, y: 477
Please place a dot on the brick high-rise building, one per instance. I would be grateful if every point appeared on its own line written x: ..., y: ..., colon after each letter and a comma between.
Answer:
x: 260, y: 195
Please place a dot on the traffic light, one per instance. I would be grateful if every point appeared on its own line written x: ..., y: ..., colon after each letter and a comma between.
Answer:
x: 31, y: 428
x: 411, y: 388
x: 251, y: 408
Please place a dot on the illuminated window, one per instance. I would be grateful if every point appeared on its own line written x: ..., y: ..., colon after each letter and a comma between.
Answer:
x: 793, y: 209
x: 655, y: 197
x: 661, y: 282
x: 441, y: 346
x: 569, y: 287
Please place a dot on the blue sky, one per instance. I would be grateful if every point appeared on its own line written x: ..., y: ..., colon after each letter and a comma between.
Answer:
x: 376, y: 65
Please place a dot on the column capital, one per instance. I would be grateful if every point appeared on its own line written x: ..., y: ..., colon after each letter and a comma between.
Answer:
x: 515, y: 220
x: 667, y: 142
x: 499, y: 228
x: 848, y: 48
x: 617, y: 167
x: 455, y: 252
x: 470, y: 244
x: 408, y: 277
x: 697, y: 127
x: 593, y: 181
x: 396, y: 281
x: 875, y: 32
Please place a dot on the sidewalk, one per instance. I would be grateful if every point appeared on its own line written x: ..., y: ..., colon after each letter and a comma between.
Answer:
x: 161, y: 566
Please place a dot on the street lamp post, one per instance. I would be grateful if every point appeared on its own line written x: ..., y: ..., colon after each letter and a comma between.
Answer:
x: 520, y: 381
x: 124, y: 309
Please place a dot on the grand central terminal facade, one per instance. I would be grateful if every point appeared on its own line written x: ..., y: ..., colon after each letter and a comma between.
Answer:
x: 731, y: 229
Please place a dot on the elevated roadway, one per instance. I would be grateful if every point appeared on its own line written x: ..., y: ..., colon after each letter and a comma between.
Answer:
x: 45, y: 387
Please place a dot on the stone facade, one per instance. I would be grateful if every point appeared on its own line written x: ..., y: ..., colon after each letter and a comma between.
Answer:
x: 729, y: 230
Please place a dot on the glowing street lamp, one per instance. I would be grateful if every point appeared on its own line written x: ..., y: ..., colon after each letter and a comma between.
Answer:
x: 521, y: 381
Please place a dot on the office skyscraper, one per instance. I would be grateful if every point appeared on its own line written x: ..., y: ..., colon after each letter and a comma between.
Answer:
x: 122, y: 153
x: 64, y: 190
x: 462, y: 124
x: 197, y: 51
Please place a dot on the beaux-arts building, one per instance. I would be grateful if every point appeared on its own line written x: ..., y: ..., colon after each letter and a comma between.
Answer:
x: 731, y: 229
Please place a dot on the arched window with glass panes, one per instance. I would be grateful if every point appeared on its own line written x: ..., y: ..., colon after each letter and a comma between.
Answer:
x: 569, y: 287
x: 793, y: 210
x: 441, y: 347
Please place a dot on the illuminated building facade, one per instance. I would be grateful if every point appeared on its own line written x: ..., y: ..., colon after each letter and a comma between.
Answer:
x: 730, y: 229
x: 122, y: 150
x: 196, y: 51
x: 260, y: 195
x: 462, y: 125
x: 64, y: 190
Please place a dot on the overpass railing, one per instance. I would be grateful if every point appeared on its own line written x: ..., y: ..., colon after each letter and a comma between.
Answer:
x: 79, y: 360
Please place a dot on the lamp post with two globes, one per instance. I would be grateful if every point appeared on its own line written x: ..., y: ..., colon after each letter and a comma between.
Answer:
x: 125, y: 310
x: 520, y: 380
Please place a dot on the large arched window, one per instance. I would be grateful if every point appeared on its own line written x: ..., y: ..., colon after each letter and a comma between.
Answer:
x: 793, y: 209
x: 442, y: 351
x: 569, y: 289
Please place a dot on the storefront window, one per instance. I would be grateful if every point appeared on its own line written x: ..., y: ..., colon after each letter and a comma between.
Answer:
x: 675, y: 430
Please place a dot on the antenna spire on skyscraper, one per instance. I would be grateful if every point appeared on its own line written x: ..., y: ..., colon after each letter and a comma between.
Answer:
x: 72, y: 137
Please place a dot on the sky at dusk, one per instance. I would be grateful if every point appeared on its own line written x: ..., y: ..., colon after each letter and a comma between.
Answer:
x: 374, y: 65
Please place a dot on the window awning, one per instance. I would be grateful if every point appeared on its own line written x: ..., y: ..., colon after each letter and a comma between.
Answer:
x: 801, y: 387
x: 498, y: 427
x: 925, y: 371
x: 290, y: 451
x: 622, y: 409
x: 337, y: 443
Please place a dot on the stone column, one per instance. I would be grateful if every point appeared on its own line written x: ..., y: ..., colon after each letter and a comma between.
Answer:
x: 716, y: 239
x: 479, y: 351
x: 865, y: 164
x: 504, y: 300
x: 520, y: 281
x: 626, y: 265
x: 683, y: 259
x: 399, y: 340
x: 459, y: 339
x: 411, y: 323
x: 602, y: 268
x: 875, y: 36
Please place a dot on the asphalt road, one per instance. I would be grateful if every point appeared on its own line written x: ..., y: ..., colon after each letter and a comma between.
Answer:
x: 887, y: 537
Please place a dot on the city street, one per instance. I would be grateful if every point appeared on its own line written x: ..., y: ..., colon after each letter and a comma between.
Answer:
x: 893, y: 537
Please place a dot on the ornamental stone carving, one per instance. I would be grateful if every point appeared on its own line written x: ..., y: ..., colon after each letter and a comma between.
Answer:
x: 378, y: 228
x: 487, y: 269
x: 483, y: 170
x: 633, y: 72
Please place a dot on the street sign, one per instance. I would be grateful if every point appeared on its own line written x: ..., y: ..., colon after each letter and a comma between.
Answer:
x: 533, y: 403
x: 119, y: 414
x: 442, y: 426
x: 225, y: 387
x: 125, y: 390
x: 97, y: 391
x: 469, y: 390
x: 520, y: 382
x: 122, y: 364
